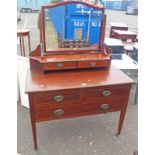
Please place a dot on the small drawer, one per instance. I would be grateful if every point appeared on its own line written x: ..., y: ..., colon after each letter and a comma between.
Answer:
x: 77, y: 110
x: 93, y: 63
x: 59, y: 65
x: 59, y: 97
x: 106, y: 92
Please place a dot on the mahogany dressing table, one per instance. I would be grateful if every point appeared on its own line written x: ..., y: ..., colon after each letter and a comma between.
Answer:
x: 72, y: 82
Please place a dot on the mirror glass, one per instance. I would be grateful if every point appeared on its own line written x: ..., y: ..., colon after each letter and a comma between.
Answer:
x: 71, y: 26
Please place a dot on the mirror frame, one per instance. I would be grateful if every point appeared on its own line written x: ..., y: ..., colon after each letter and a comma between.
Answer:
x: 98, y: 48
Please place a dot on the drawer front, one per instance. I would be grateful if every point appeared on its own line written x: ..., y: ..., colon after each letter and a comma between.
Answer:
x: 77, y: 110
x: 95, y: 63
x: 106, y: 92
x: 59, y: 65
x: 59, y: 97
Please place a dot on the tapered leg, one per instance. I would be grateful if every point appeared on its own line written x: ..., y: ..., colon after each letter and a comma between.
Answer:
x: 21, y: 49
x: 121, y: 120
x: 123, y: 111
x: 29, y: 43
x: 33, y: 124
x: 23, y: 46
x: 136, y: 95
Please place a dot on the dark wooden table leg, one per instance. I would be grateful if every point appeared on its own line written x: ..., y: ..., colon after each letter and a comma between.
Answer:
x: 136, y: 95
x: 123, y: 112
x: 121, y: 120
x: 33, y: 124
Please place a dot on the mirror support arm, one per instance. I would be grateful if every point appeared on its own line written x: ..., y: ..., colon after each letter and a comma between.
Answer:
x: 102, y: 35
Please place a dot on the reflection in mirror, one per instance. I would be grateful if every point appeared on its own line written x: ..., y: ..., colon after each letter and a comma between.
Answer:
x: 72, y: 26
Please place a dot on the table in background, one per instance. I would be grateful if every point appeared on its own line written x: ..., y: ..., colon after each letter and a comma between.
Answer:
x: 124, y: 35
x: 117, y: 26
x: 116, y: 45
x: 21, y: 33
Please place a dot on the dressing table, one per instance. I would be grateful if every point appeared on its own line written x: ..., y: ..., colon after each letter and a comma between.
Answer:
x: 71, y: 82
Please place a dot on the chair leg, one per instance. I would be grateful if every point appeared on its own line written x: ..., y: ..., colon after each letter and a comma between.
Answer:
x: 29, y: 43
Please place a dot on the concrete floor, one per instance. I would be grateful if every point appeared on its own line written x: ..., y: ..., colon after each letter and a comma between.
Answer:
x: 88, y: 135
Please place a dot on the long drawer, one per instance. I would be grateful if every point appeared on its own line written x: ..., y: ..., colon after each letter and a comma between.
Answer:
x: 59, y: 65
x: 105, y: 92
x: 59, y: 97
x: 93, y: 63
x: 57, y: 112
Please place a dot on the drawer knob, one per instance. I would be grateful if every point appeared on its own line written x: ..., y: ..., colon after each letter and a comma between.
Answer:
x: 59, y: 112
x: 104, y: 106
x: 58, y: 98
x: 59, y: 65
x: 106, y: 93
x: 93, y: 64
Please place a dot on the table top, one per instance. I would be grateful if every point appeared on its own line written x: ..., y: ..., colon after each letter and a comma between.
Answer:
x: 117, y: 24
x: 125, y: 63
x: 113, y: 42
x: 23, y: 32
x: 125, y: 32
x: 71, y: 57
x: 74, y: 79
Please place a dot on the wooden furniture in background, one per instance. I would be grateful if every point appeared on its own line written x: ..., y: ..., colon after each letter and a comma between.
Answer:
x: 116, y: 45
x: 117, y: 26
x: 21, y: 33
x: 125, y: 35
x: 128, y: 47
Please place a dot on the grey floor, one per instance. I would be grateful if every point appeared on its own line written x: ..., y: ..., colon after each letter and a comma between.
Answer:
x: 88, y: 135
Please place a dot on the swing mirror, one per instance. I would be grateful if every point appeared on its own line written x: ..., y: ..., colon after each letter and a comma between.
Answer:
x: 71, y: 25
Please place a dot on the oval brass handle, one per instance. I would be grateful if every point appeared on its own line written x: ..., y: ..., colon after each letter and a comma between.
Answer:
x: 59, y: 112
x: 106, y: 92
x: 104, y: 106
x: 93, y: 64
x: 58, y: 98
x: 59, y: 65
